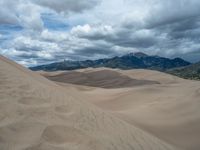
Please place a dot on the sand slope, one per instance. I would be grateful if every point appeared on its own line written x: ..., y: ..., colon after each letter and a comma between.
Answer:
x: 169, y: 110
x: 101, y: 78
x: 36, y: 114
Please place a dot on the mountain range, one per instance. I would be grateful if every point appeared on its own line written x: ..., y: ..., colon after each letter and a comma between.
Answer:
x: 188, y: 72
x: 125, y: 62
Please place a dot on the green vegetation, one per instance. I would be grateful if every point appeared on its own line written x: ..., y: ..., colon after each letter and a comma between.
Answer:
x: 189, y: 72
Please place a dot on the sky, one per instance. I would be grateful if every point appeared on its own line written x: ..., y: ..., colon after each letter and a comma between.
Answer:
x: 35, y: 32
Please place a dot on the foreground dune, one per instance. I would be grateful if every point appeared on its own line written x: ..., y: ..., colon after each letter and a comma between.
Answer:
x: 36, y: 114
x: 168, y: 110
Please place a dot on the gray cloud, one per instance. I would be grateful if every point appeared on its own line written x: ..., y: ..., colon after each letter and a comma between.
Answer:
x: 67, y: 6
x: 6, y: 15
x: 28, y: 13
x: 167, y: 28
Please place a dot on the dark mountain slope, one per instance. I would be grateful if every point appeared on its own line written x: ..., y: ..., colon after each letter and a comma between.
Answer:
x: 188, y: 72
x: 129, y: 61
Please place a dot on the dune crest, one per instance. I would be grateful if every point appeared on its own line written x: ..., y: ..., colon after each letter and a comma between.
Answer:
x: 100, y: 78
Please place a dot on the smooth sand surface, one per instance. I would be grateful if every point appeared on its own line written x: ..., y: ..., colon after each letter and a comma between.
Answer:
x: 100, y: 78
x: 169, y: 110
x: 37, y: 114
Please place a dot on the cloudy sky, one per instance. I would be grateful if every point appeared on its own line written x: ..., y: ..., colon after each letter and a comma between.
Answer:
x: 34, y: 32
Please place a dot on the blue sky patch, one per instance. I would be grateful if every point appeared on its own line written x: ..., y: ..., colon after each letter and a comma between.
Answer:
x: 54, y: 22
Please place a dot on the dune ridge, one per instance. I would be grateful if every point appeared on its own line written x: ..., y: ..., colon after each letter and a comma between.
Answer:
x: 100, y: 78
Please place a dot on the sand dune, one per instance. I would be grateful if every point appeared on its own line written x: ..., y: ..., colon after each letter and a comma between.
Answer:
x: 169, y: 110
x: 101, y: 78
x: 37, y: 114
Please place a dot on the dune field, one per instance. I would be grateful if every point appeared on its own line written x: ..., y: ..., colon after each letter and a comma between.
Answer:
x: 97, y: 109
x: 165, y: 106
x: 37, y: 114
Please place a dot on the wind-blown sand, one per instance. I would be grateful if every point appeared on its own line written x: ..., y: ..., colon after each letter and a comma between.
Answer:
x: 168, y: 110
x: 37, y: 114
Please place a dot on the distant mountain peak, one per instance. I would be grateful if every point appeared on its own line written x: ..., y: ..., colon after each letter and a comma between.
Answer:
x: 140, y: 54
x: 137, y: 54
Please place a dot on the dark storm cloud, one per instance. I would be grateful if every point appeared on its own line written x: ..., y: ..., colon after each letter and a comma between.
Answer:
x: 170, y: 11
x: 140, y: 39
x: 67, y: 6
x: 125, y: 37
x: 189, y: 28
x: 92, y: 51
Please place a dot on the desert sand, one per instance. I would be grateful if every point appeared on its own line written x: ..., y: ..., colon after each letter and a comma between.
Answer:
x: 38, y: 114
x: 162, y: 105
